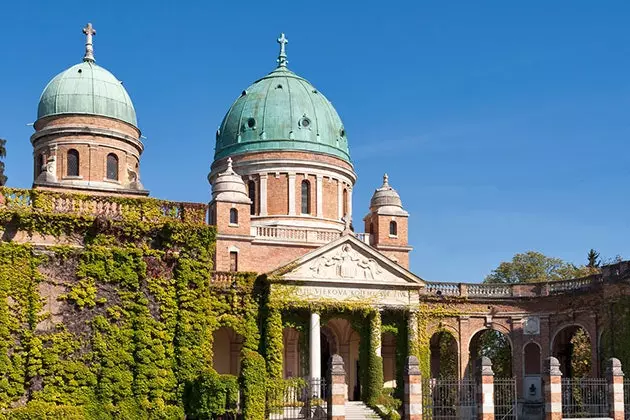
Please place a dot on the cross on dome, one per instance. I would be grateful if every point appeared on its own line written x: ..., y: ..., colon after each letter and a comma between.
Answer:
x: 385, y: 180
x: 89, y: 31
x: 282, y: 58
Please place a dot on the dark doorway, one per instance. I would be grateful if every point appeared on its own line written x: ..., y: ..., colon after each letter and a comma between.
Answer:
x: 325, y: 352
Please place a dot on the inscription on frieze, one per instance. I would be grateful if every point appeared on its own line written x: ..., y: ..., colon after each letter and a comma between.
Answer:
x: 381, y: 296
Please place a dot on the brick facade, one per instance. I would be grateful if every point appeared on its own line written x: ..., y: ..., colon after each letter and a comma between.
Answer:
x: 93, y: 138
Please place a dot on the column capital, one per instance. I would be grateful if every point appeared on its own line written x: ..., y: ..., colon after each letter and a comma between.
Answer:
x: 483, y: 366
x: 613, y: 367
x: 551, y: 367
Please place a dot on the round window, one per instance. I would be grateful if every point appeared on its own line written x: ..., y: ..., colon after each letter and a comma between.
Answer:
x: 305, y: 122
x: 342, y: 132
x: 251, y: 123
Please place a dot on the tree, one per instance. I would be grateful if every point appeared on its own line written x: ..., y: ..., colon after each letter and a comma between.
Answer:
x: 593, y: 259
x: 532, y: 267
x: 3, y: 154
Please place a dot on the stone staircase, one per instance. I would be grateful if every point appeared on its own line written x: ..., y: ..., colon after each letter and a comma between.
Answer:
x: 357, y: 410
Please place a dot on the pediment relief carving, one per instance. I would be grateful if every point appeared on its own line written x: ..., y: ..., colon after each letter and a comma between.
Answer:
x: 348, y: 264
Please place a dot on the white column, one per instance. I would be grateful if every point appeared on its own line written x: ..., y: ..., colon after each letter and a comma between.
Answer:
x: 339, y: 199
x: 349, y: 201
x: 315, y: 350
x: 263, y: 194
x: 319, y: 195
x: 291, y: 194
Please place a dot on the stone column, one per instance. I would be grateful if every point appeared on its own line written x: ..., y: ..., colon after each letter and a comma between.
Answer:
x: 412, y: 400
x: 315, y: 350
x: 377, y: 324
x: 552, y: 389
x: 338, y: 389
x: 614, y: 374
x: 291, y: 194
x: 412, y: 330
x: 319, y: 194
x: 263, y: 194
x: 485, y: 381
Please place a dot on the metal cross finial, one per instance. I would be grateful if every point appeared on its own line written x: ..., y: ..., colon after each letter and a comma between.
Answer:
x: 229, y: 162
x: 385, y: 180
x: 282, y: 58
x: 89, y: 50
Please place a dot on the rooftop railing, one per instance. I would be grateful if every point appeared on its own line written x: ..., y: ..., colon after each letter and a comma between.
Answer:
x: 117, y: 208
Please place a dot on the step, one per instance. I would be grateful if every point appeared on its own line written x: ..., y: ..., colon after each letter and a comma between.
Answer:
x: 357, y: 410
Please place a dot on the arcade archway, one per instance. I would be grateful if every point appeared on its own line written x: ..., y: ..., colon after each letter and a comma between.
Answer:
x: 226, y: 351
x: 444, y: 355
x: 572, y: 347
x: 494, y: 345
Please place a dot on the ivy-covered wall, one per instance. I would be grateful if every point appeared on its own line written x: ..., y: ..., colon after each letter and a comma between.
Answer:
x: 120, y: 326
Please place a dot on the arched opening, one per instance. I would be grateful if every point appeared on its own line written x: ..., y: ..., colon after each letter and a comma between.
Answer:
x: 40, y: 164
x: 393, y: 228
x: 388, y: 353
x: 345, y: 202
x: 532, y: 384
x: 226, y: 351
x: 444, y: 360
x: 112, y: 167
x: 572, y: 347
x: 343, y: 340
x: 494, y: 345
x: 291, y: 362
x: 233, y: 216
x: 251, y: 192
x: 72, y: 163
x: 306, y: 197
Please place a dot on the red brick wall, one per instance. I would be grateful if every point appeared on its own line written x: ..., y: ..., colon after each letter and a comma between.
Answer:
x: 278, y: 194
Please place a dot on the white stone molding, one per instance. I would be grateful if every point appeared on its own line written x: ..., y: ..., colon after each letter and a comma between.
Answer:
x: 263, y: 194
x: 319, y: 195
x: 291, y: 178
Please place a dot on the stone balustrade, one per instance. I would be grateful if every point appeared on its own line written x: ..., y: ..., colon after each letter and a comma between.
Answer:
x: 291, y: 234
x: 501, y: 291
x: 116, y: 208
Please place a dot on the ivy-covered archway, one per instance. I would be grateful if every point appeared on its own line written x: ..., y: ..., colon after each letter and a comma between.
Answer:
x: 444, y: 355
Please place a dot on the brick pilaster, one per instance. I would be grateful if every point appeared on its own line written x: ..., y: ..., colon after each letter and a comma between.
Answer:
x: 338, y: 389
x: 614, y: 374
x: 412, y: 403
x: 485, y: 379
x: 552, y: 389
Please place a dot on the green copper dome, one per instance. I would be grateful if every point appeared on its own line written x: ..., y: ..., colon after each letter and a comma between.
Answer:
x: 87, y: 88
x: 282, y: 111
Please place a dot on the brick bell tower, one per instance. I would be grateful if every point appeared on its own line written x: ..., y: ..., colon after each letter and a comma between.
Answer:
x: 230, y: 213
x: 86, y: 135
x: 387, y: 224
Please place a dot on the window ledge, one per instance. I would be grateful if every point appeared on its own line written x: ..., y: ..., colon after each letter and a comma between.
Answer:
x: 393, y: 236
x: 233, y: 224
x: 112, y: 181
x: 72, y: 177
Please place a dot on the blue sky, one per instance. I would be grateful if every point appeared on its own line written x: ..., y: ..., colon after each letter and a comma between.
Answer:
x: 503, y: 125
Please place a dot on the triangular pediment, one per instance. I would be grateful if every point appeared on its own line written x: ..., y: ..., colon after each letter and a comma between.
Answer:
x: 348, y: 261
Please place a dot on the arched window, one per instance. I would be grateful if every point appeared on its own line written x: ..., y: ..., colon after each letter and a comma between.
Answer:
x: 371, y: 228
x: 306, y: 197
x: 251, y: 192
x: 345, y: 202
x: 112, y: 166
x: 233, y: 217
x: 72, y: 163
x: 40, y: 164
x: 393, y: 228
